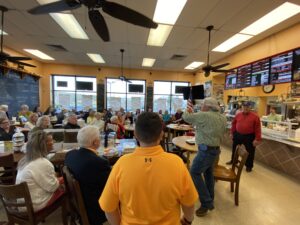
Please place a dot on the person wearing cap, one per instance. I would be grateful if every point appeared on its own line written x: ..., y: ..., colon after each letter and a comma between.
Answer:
x: 246, y: 130
x: 210, y: 128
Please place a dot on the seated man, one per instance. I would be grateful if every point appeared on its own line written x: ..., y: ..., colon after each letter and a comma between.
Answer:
x: 72, y: 122
x: 90, y: 170
x: 149, y: 186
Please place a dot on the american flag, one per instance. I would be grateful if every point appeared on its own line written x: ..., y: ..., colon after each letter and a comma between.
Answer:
x: 190, y: 106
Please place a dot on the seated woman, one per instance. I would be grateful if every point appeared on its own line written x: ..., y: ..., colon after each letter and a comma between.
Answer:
x: 115, y: 126
x: 6, y: 131
x: 166, y: 117
x: 32, y: 121
x: 38, y: 172
x: 98, y: 122
x: 24, y: 113
x: 42, y: 123
x: 91, y: 117
x: 38, y: 111
x: 128, y: 118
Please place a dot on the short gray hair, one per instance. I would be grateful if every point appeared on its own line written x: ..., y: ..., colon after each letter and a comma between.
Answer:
x: 4, y: 107
x: 87, y: 135
x: 2, y: 114
x: 24, y: 106
x: 212, y: 104
x: 40, y: 121
x: 114, y: 118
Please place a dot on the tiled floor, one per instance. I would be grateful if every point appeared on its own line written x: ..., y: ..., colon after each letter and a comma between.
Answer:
x: 267, y: 197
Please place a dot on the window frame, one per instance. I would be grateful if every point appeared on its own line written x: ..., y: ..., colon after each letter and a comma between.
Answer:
x: 126, y: 91
x: 52, y: 88
x: 169, y: 95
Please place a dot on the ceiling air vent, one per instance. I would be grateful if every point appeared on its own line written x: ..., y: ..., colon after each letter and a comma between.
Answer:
x: 178, y: 57
x: 58, y: 48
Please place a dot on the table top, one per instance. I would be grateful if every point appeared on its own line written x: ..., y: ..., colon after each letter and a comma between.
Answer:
x: 182, y: 127
x: 180, y: 142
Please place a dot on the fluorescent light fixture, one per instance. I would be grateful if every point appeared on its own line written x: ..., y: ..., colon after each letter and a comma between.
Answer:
x: 168, y: 11
x: 158, y: 36
x: 276, y: 16
x: 67, y: 21
x: 39, y: 54
x: 193, y: 65
x: 4, y: 33
x: 230, y: 43
x: 70, y: 25
x: 148, y: 62
x: 97, y: 58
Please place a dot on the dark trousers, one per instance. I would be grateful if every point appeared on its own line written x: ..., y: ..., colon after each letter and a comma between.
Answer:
x: 247, y: 140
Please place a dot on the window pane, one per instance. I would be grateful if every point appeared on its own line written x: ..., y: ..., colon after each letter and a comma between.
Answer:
x: 178, y: 103
x: 64, y: 99
x: 135, y: 101
x: 136, y: 82
x: 64, y: 83
x: 161, y: 87
x: 115, y: 101
x: 174, y: 84
x: 86, y: 100
x: 86, y: 83
x: 116, y: 85
x: 161, y: 102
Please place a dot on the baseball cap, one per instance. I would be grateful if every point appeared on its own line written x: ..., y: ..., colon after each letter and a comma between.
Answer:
x: 246, y: 103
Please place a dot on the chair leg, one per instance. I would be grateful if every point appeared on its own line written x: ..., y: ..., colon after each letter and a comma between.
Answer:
x: 64, y: 212
x: 232, y: 186
x: 236, y: 194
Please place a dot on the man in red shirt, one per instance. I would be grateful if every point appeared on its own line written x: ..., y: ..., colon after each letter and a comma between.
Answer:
x: 246, y: 130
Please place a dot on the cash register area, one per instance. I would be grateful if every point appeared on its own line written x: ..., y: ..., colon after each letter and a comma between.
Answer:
x: 267, y: 196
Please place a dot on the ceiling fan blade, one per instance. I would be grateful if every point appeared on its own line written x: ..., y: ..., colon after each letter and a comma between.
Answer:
x: 55, y: 7
x: 222, y: 71
x: 99, y: 24
x: 220, y: 66
x: 129, y: 15
x: 17, y: 58
x: 21, y: 63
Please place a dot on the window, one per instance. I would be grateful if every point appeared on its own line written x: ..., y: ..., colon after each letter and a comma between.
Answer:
x: 130, y: 96
x: 74, y: 92
x: 167, y: 96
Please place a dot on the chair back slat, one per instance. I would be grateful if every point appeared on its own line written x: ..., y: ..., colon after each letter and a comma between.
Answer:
x: 75, y: 195
x: 70, y: 136
x: 17, y: 201
x: 239, y: 160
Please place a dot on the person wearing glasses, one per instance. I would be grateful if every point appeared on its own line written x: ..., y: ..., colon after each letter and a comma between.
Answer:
x: 6, y: 131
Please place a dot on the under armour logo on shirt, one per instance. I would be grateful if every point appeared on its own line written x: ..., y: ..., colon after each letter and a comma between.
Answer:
x: 148, y: 160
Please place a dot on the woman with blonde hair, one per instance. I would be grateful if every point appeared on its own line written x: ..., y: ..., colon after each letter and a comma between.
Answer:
x: 36, y: 170
x: 98, y: 122
x: 32, y: 121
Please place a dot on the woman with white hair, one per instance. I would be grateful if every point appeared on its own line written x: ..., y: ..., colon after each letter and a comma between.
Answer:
x: 90, y: 170
x: 36, y: 170
x: 24, y: 113
x: 32, y: 121
x: 98, y: 122
x: 42, y: 123
x: 115, y: 126
x: 210, y: 128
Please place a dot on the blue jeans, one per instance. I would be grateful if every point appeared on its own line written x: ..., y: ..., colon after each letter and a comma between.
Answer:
x: 202, y: 167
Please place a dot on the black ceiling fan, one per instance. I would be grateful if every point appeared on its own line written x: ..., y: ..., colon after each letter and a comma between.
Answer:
x: 209, y: 68
x: 4, y: 57
x: 122, y: 77
x: 114, y: 9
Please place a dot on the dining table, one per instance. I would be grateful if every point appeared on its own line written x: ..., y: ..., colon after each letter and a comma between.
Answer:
x: 182, y: 143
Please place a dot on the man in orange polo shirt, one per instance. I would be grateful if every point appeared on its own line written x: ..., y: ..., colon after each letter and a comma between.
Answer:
x: 149, y: 186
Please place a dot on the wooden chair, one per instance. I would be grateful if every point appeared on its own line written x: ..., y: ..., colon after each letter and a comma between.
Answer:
x: 75, y: 198
x: 233, y: 174
x: 70, y: 135
x: 9, y: 171
x: 17, y: 202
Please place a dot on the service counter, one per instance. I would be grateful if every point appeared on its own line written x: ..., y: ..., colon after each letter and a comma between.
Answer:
x: 277, y: 152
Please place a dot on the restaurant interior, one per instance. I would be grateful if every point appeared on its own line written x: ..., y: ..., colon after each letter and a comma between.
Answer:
x: 235, y: 51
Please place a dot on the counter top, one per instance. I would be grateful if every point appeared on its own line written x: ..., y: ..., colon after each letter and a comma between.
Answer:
x: 291, y: 142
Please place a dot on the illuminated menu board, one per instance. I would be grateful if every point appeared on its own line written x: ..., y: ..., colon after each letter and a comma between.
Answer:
x: 296, y: 65
x: 281, y: 68
x: 230, y: 81
x: 244, y: 76
x: 260, y: 72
